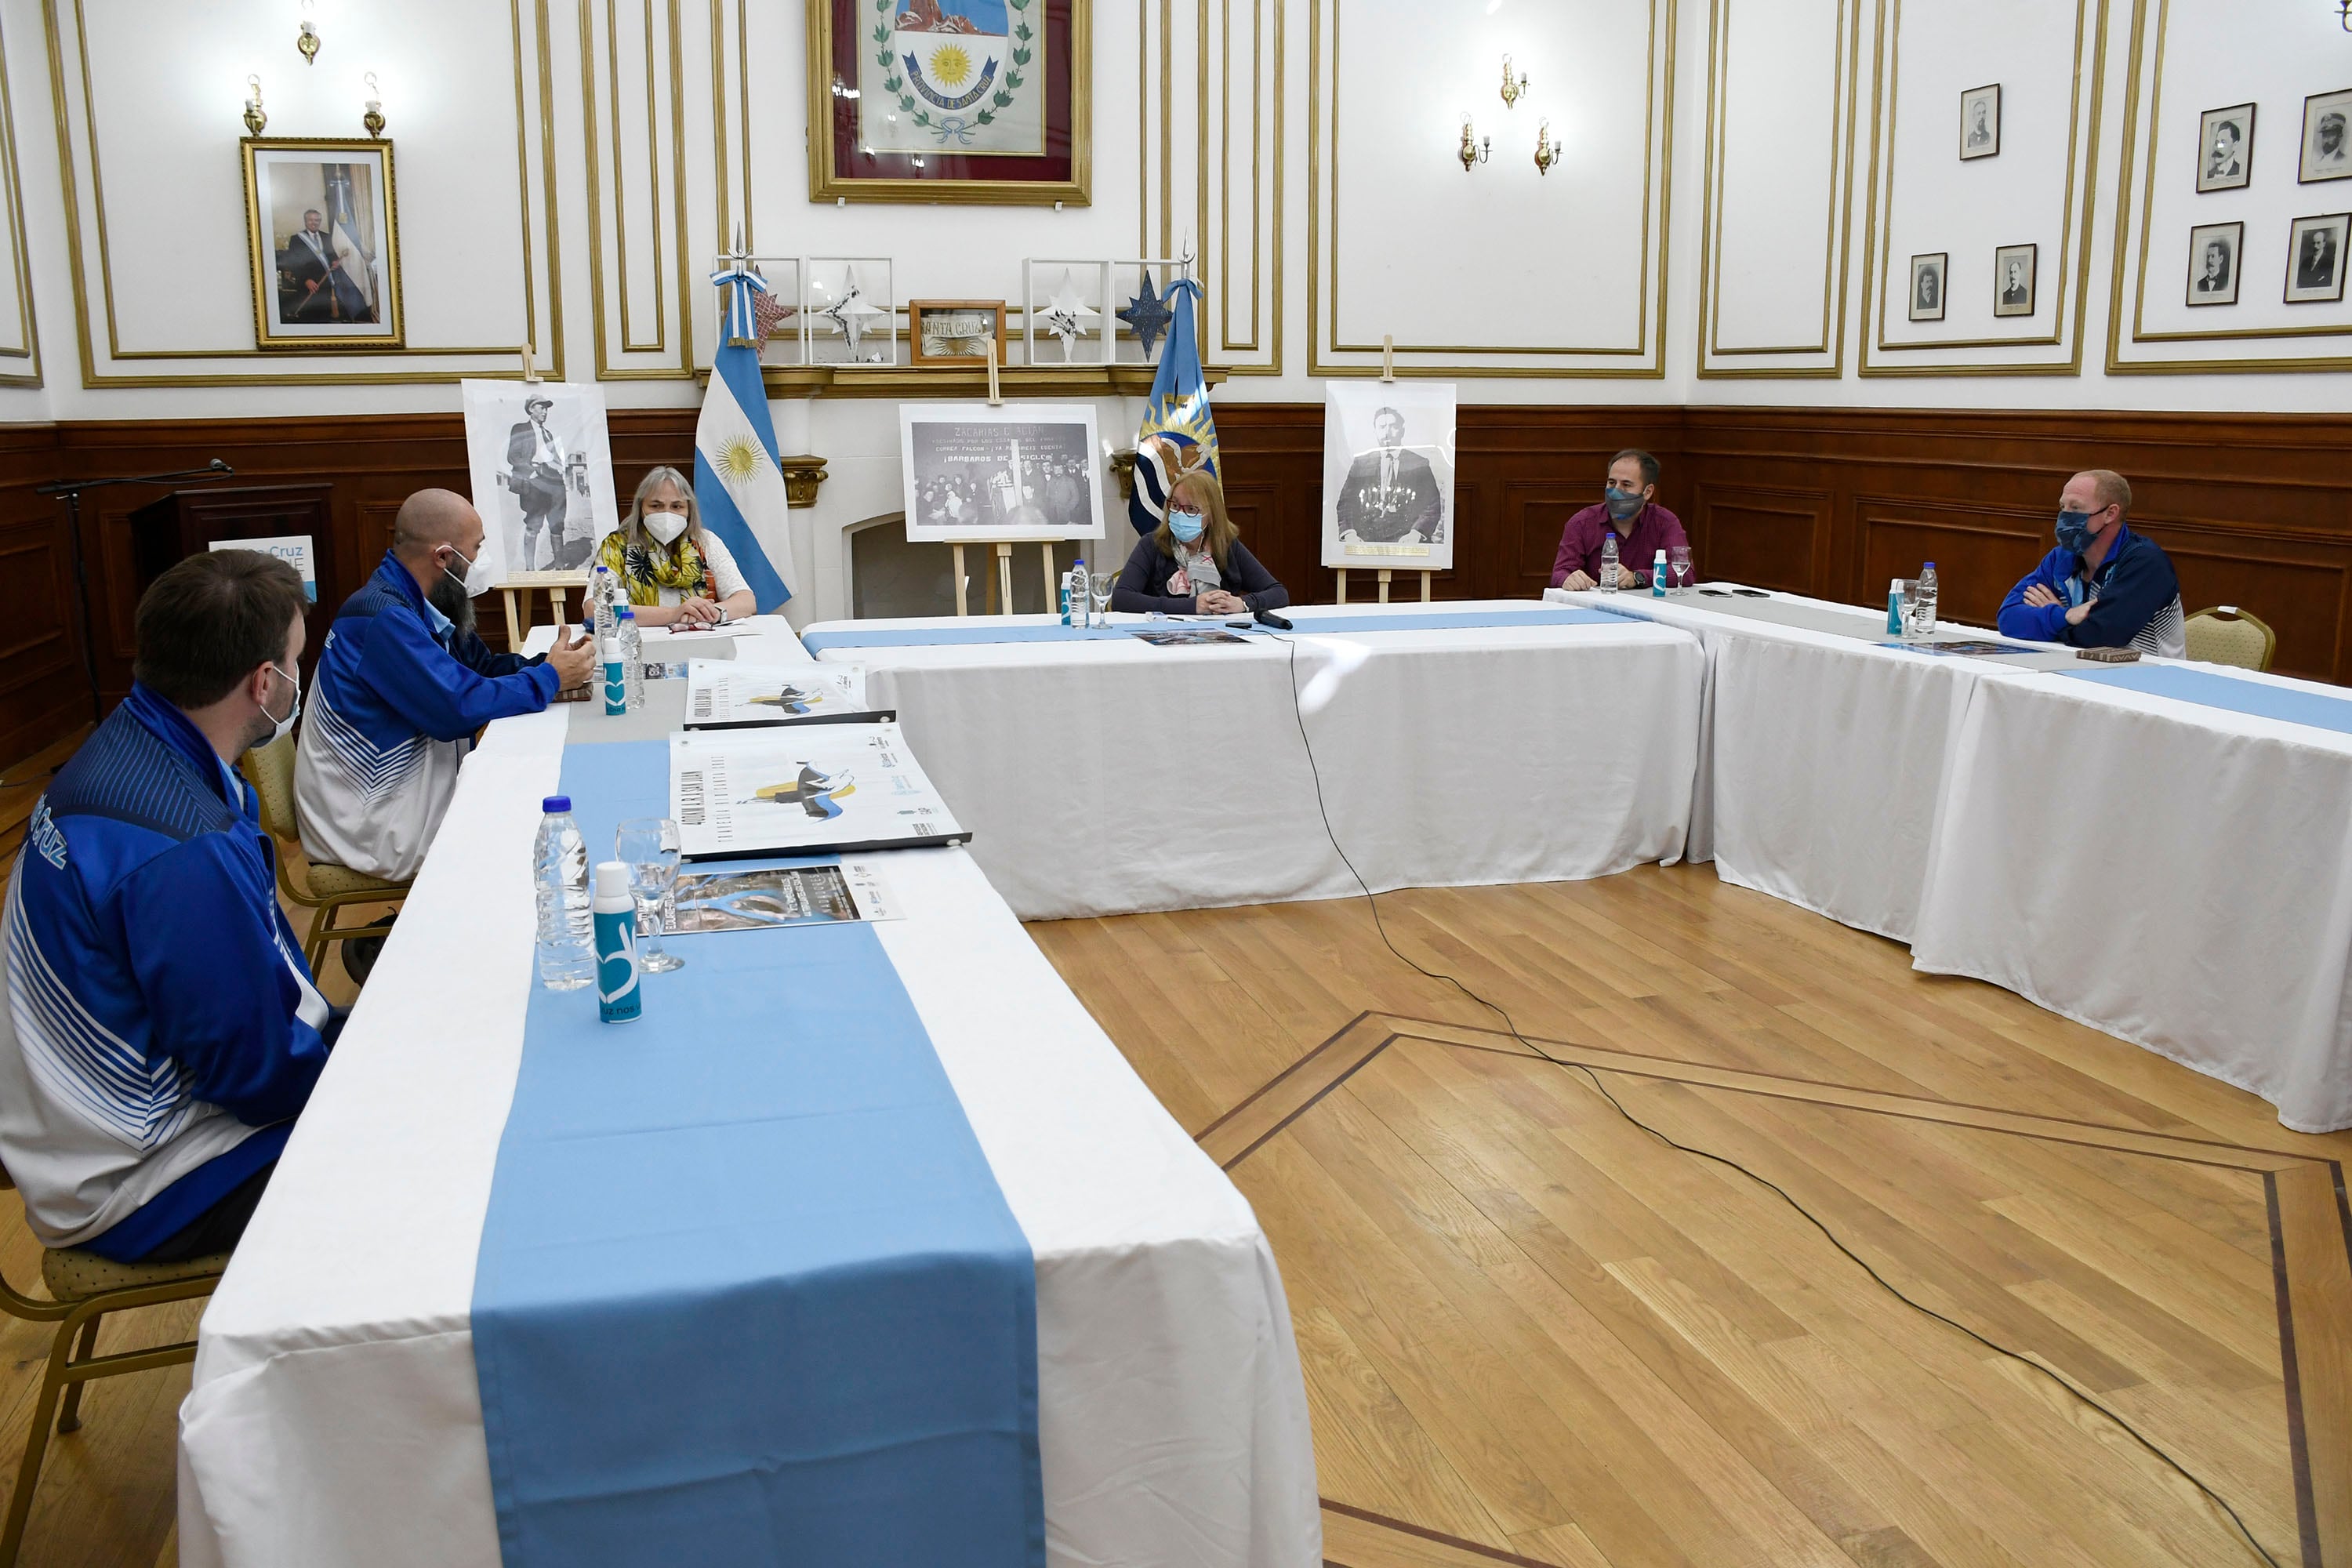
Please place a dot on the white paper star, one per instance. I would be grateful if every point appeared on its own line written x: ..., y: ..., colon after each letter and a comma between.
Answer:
x: 1066, y: 316
x: 849, y: 313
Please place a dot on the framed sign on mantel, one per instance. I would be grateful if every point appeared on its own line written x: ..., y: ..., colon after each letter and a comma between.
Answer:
x: 950, y: 100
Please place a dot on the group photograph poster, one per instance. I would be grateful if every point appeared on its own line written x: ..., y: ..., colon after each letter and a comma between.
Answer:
x: 1388, y: 475
x: 1019, y: 471
x: 542, y: 472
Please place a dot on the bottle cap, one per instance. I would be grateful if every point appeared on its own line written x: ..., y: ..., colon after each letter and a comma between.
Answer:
x: 628, y: 612
x: 1931, y: 566
x: 555, y: 803
x: 612, y: 879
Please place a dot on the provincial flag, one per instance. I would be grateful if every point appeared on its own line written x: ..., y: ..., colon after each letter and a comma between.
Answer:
x: 1179, y: 412
x: 737, y: 484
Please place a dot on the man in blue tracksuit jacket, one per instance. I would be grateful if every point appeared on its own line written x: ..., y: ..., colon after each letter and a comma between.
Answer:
x: 2104, y: 586
x: 402, y: 686
x: 162, y: 1030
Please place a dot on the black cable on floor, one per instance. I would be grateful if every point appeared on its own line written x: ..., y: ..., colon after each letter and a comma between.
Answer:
x: 1496, y: 1008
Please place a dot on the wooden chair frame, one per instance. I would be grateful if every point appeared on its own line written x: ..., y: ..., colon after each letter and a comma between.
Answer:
x: 323, y: 907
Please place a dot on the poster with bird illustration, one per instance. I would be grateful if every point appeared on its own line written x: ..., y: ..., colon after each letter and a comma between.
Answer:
x: 801, y: 789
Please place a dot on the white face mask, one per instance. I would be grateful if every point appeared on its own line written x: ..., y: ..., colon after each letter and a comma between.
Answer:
x: 477, y: 578
x: 665, y: 526
x: 282, y: 726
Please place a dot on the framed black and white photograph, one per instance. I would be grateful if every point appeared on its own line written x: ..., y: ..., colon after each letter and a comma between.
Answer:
x: 2315, y: 259
x: 324, y: 251
x: 1388, y: 475
x: 2012, y: 279
x: 1018, y: 471
x: 1927, y: 287
x: 541, y: 462
x: 2225, y: 142
x: 2213, y: 252
x: 955, y: 331
x: 2326, y: 146
x: 1980, y: 123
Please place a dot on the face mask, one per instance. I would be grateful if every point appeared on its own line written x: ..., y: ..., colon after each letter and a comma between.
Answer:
x: 665, y: 526
x: 1622, y: 504
x: 2074, y: 531
x: 280, y: 726
x: 1184, y: 525
x: 477, y: 578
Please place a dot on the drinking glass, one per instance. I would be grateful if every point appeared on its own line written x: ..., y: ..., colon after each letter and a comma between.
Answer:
x: 1678, y: 569
x: 647, y: 845
x: 1098, y: 587
x: 1917, y: 625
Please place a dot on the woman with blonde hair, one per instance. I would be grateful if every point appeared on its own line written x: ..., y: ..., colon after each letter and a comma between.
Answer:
x: 1195, y: 564
x: 676, y: 571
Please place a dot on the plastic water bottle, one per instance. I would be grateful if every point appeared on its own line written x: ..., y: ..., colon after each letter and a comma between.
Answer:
x: 1658, y: 576
x: 1928, y: 597
x: 567, y: 954
x: 605, y: 596
x: 633, y: 658
x: 1609, y: 562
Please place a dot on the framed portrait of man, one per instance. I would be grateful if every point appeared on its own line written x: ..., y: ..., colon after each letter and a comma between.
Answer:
x: 950, y: 100
x: 325, y: 253
x: 1927, y: 287
x: 2225, y: 148
x: 2326, y: 137
x: 1388, y: 475
x: 2213, y: 252
x: 2012, y: 279
x: 1980, y: 123
x: 541, y: 461
x: 2315, y: 259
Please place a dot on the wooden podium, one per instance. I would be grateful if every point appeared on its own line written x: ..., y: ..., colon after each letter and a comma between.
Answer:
x: 189, y: 521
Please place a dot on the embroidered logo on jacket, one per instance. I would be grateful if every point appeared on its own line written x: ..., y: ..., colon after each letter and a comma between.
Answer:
x: 47, y: 837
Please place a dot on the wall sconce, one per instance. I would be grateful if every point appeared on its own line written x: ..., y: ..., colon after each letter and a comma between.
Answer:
x: 1472, y: 151
x: 308, y: 39
x: 1546, y: 150
x: 255, y: 121
x: 373, y: 117
x: 1514, y: 90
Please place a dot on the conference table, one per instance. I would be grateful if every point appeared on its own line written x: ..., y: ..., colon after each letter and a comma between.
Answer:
x: 1412, y: 745
x: 337, y: 1416
x: 2160, y: 849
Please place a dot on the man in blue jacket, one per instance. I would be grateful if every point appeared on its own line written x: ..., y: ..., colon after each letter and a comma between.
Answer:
x: 161, y: 1029
x: 400, y: 689
x: 2104, y: 586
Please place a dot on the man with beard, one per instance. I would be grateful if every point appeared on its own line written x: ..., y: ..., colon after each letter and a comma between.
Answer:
x: 403, y: 685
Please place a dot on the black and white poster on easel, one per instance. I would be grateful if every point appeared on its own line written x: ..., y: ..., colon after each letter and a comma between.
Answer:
x: 721, y: 694
x: 801, y: 789
x: 977, y: 472
x: 1388, y: 475
x: 542, y: 473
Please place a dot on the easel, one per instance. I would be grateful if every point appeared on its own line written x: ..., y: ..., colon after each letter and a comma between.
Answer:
x: 518, y: 586
x: 1003, y: 547
x: 1387, y: 378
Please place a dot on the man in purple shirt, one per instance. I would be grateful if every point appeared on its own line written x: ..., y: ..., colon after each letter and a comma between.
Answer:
x: 1643, y: 528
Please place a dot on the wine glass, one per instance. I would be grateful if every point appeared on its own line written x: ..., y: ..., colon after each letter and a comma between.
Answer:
x: 647, y: 845
x: 1678, y: 568
x: 1098, y: 589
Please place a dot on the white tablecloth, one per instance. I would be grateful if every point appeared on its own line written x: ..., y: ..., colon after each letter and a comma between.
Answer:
x: 335, y: 1418
x: 2176, y: 874
x: 1112, y: 776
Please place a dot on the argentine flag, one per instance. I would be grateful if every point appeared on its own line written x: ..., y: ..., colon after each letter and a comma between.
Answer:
x: 737, y: 483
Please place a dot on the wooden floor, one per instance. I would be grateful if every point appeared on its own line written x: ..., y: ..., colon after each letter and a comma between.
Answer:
x: 1534, y: 1334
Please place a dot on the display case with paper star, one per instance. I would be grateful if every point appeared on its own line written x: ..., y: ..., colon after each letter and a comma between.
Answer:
x: 847, y: 314
x: 950, y: 100
x: 1066, y: 309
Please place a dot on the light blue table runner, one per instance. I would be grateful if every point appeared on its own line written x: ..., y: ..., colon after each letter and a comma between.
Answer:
x: 2209, y: 689
x: 947, y: 633
x: 748, y: 1291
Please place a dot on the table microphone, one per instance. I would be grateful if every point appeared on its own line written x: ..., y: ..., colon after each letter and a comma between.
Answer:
x: 1268, y: 618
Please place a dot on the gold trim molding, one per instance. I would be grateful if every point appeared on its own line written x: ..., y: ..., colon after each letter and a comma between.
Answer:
x: 27, y: 326
x: 591, y: 114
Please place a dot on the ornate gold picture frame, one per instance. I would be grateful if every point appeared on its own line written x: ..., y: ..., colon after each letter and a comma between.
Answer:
x: 323, y: 243
x: 950, y: 100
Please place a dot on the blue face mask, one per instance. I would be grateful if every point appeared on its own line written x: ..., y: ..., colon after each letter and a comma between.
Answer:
x: 2074, y: 531
x: 1184, y: 525
x: 1622, y: 504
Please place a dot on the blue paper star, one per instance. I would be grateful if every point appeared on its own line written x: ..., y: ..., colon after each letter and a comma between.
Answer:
x: 1147, y: 313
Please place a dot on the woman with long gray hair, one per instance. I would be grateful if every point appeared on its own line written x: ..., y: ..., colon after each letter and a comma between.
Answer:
x: 676, y: 571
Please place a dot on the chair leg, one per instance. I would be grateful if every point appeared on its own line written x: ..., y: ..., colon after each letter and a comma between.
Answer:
x: 70, y: 1412
x: 314, y: 948
x: 37, y: 1444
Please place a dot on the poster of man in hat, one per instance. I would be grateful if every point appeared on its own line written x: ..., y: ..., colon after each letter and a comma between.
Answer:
x: 542, y: 472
